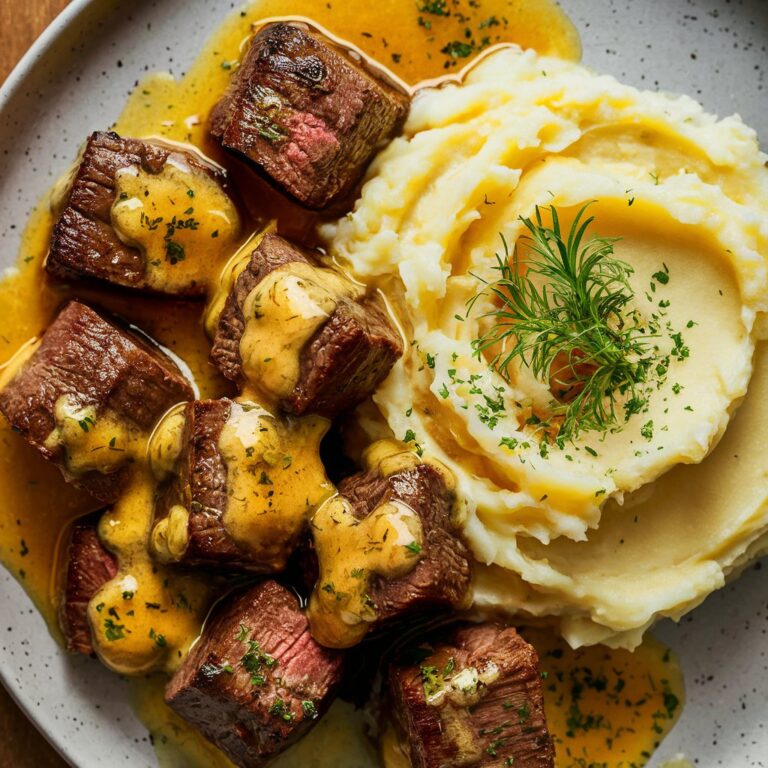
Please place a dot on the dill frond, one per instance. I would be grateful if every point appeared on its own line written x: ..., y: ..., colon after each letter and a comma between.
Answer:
x: 564, y: 311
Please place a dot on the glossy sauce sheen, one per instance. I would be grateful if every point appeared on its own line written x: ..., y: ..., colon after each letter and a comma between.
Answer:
x: 178, y: 216
x: 422, y: 42
x: 387, y: 543
x: 296, y: 298
x: 275, y: 479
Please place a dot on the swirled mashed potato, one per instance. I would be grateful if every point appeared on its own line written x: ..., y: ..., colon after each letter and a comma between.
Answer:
x: 612, y: 530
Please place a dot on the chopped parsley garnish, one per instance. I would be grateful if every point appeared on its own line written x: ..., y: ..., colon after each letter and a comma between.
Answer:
x: 457, y: 49
x: 113, y: 631
x: 86, y: 423
x: 280, y: 709
x: 435, y: 7
x: 254, y: 660
x: 174, y: 252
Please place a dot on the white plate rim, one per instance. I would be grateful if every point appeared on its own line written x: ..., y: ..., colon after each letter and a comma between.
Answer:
x: 8, y: 90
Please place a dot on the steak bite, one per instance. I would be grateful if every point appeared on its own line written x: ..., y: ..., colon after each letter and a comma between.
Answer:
x: 239, y: 487
x: 256, y: 681
x: 475, y: 700
x: 166, y: 190
x: 387, y: 547
x: 89, y: 395
x: 88, y: 566
x: 306, y: 114
x: 304, y: 335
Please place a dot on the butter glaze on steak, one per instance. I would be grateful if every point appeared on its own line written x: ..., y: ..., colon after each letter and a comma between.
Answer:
x: 341, y: 365
x: 88, y: 566
x: 245, y: 510
x: 97, y: 366
x: 256, y: 681
x: 84, y: 243
x: 309, y: 117
x: 387, y: 549
x: 442, y: 576
x: 474, y: 701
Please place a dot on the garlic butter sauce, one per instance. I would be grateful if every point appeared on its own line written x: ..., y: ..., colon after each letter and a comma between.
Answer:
x: 180, y: 218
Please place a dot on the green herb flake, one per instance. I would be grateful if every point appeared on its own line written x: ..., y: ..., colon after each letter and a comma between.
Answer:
x: 174, y: 252
x: 435, y: 7
x: 457, y: 49
x: 113, y: 631
x: 280, y: 709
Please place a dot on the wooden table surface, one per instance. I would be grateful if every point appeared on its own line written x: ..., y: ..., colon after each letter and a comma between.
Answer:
x: 21, y: 21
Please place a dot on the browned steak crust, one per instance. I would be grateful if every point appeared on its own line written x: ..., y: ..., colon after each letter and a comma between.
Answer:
x: 441, y: 579
x: 87, y: 567
x: 256, y: 681
x: 341, y: 365
x: 307, y: 115
x: 96, y: 364
x: 84, y: 244
x: 502, y: 724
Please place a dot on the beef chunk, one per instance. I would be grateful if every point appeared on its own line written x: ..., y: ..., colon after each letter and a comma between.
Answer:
x: 87, y: 567
x: 436, y: 570
x: 84, y: 243
x: 256, y: 681
x: 89, y: 395
x: 349, y: 354
x: 308, y: 116
x: 475, y: 700
x: 241, y: 506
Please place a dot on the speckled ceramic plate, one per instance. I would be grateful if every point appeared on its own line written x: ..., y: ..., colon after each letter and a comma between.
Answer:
x: 75, y: 80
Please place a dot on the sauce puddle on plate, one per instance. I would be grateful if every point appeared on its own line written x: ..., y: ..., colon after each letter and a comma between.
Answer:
x: 612, y: 705
x: 607, y: 708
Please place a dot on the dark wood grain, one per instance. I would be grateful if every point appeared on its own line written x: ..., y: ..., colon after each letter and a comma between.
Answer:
x: 21, y: 21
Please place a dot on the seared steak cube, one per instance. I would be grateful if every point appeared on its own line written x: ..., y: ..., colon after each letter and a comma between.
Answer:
x: 85, y: 242
x: 306, y: 114
x: 475, y: 700
x: 304, y: 335
x: 88, y: 397
x: 256, y: 681
x: 387, y: 547
x: 88, y: 566
x: 241, y: 491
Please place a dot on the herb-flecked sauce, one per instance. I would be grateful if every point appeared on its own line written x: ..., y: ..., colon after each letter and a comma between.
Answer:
x: 605, y: 708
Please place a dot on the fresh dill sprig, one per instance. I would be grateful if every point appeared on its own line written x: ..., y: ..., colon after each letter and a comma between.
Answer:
x: 564, y: 311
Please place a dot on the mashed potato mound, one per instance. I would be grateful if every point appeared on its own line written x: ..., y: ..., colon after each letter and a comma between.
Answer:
x: 613, y: 530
